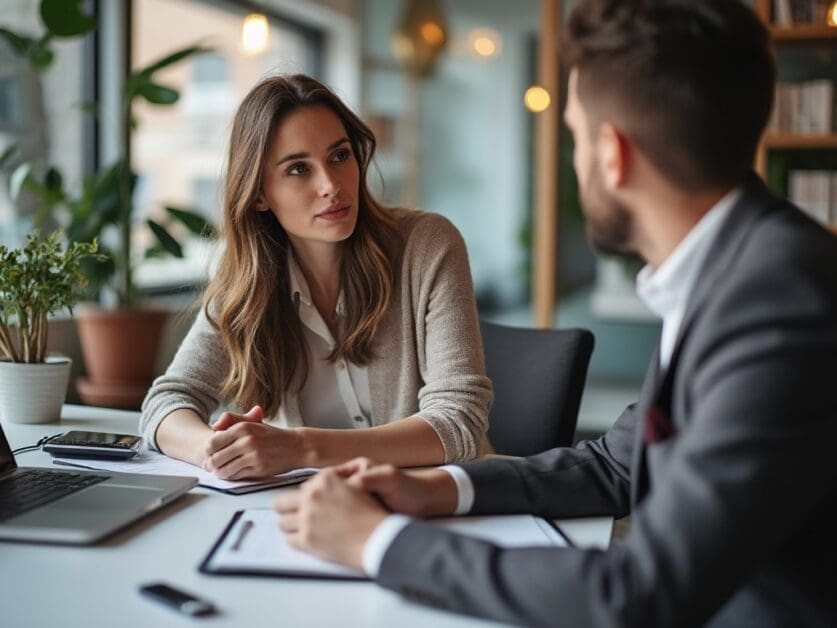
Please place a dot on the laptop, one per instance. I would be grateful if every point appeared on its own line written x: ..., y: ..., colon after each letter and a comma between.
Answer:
x: 76, y: 507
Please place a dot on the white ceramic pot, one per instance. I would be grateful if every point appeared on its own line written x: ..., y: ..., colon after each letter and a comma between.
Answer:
x: 33, y: 393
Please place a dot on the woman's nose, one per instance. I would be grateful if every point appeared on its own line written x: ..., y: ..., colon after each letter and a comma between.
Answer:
x: 329, y: 185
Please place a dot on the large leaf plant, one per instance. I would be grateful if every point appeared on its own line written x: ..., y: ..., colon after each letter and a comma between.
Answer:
x: 105, y: 201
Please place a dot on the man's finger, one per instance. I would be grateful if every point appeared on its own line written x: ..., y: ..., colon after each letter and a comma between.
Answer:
x: 375, y: 480
x: 294, y: 539
x: 287, y: 502
x: 289, y: 522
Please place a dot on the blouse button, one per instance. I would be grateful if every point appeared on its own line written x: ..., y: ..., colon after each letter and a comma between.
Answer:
x: 358, y: 419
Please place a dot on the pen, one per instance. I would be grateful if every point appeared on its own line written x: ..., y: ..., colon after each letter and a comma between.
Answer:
x: 245, y: 528
x: 73, y: 464
x: 179, y: 600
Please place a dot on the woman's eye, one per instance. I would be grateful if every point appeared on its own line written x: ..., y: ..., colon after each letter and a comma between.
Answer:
x: 342, y: 154
x: 296, y: 169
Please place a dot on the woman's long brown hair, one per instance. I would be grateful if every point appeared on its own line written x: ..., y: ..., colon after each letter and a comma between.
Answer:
x: 249, y: 300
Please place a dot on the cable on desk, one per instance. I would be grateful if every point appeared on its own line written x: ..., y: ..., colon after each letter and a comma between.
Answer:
x: 28, y: 448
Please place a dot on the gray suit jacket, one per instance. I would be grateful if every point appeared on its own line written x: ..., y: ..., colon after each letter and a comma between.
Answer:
x: 733, y: 517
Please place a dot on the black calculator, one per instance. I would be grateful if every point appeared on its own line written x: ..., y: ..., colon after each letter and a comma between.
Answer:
x: 79, y: 444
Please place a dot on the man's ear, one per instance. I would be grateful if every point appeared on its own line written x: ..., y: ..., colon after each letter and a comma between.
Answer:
x: 614, y: 154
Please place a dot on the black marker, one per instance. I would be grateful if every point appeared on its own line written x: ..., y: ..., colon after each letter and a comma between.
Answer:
x: 179, y: 600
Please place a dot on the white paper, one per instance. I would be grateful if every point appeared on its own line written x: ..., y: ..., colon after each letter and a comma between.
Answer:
x: 263, y: 548
x: 151, y: 462
x: 256, y: 543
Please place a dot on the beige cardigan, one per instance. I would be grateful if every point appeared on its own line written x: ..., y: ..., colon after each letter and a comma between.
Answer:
x: 429, y: 352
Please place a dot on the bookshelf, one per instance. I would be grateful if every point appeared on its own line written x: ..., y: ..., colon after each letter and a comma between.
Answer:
x: 812, y: 33
x: 783, y: 152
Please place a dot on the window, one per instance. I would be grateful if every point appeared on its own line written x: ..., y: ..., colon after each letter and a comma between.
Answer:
x: 39, y: 113
x: 179, y: 151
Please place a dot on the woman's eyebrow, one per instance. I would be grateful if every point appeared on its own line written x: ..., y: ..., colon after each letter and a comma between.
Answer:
x: 293, y: 156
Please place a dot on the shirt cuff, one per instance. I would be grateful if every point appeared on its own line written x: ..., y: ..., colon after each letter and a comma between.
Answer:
x: 379, y: 541
x: 464, y: 488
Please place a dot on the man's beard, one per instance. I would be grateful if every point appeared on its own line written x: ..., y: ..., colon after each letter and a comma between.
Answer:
x: 609, y: 224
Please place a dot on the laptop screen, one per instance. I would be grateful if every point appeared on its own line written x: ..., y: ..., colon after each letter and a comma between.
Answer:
x: 7, y: 459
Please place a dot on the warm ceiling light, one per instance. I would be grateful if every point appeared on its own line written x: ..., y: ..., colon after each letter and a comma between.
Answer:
x: 254, y: 34
x: 484, y: 47
x: 485, y: 42
x: 831, y: 17
x: 432, y: 33
x: 537, y: 99
x: 420, y: 36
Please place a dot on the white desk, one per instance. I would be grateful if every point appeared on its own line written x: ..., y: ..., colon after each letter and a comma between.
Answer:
x: 53, y: 585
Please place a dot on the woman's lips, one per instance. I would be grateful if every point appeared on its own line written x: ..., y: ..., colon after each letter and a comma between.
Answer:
x: 337, y: 213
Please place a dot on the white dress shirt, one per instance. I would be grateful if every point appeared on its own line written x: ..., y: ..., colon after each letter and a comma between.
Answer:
x: 665, y: 290
x: 335, y: 395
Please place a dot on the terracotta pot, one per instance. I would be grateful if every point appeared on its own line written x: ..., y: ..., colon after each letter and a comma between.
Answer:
x: 120, y: 350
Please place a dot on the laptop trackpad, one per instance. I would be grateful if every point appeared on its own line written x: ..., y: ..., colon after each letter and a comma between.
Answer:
x: 95, y: 505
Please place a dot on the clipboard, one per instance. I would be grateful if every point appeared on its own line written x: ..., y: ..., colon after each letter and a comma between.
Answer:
x: 253, y: 545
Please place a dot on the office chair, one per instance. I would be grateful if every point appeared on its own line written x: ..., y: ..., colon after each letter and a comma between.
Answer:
x: 538, y: 377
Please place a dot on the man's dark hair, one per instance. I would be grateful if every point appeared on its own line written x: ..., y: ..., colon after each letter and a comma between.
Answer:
x: 689, y: 81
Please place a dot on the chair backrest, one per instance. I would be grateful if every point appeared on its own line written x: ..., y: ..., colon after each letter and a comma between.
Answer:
x: 538, y: 377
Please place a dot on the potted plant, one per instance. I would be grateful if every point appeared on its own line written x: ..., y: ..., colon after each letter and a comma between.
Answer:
x: 119, y: 344
x: 36, y: 280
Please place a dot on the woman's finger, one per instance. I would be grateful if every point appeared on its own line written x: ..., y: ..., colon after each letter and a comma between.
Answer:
x: 227, y: 463
x: 357, y: 465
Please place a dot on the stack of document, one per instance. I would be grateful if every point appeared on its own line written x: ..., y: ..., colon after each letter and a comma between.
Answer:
x: 158, y: 464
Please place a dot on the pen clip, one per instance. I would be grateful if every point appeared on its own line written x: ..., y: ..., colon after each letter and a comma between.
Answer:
x: 242, y: 532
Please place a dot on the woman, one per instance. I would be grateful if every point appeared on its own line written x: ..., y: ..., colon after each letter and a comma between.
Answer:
x: 328, y: 312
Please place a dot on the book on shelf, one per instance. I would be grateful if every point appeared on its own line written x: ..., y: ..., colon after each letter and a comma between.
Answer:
x: 790, y: 12
x: 804, y: 108
x: 782, y: 13
x: 815, y: 193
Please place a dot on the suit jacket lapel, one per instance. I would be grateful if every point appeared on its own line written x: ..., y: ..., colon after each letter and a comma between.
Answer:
x: 647, y: 397
x: 754, y: 200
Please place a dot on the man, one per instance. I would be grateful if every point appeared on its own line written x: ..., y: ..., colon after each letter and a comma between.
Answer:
x: 726, y: 462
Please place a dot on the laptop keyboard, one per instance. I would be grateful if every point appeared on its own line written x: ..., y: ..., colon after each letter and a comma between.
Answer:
x: 31, y: 488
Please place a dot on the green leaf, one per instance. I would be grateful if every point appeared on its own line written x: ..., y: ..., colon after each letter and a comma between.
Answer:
x: 166, y: 240
x: 157, y: 94
x: 18, y: 178
x: 19, y: 43
x: 174, y: 57
x: 40, y: 54
x: 53, y: 180
x: 193, y: 221
x: 65, y: 18
x: 7, y: 154
x: 98, y: 271
x: 90, y: 107
x: 155, y: 252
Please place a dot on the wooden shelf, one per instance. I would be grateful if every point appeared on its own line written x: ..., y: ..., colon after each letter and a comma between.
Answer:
x: 799, y: 140
x: 803, y: 33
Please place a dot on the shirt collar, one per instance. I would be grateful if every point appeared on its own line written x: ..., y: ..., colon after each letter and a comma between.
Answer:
x: 666, y: 289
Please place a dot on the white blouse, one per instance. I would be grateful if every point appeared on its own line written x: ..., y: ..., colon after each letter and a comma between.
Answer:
x: 335, y: 395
